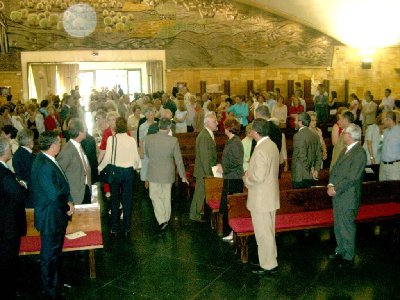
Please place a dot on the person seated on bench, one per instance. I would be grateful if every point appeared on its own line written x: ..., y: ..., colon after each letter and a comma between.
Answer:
x: 232, y: 171
x: 262, y: 182
x: 53, y: 207
x: 344, y: 186
x: 307, y: 154
x: 12, y: 221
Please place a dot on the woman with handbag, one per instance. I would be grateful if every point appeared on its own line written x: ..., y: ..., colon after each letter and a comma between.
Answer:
x: 122, y: 154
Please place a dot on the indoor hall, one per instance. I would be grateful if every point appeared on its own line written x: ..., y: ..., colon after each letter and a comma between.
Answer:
x: 189, y: 261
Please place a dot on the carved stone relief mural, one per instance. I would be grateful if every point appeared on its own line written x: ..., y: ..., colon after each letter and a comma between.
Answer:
x: 194, y: 33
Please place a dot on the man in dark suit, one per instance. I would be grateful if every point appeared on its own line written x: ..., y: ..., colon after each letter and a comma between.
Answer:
x: 307, y: 154
x: 23, y: 159
x: 53, y: 207
x: 163, y: 152
x: 75, y: 164
x: 206, y: 158
x: 344, y: 186
x: 12, y: 222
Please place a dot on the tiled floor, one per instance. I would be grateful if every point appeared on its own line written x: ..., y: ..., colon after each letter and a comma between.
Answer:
x: 188, y: 261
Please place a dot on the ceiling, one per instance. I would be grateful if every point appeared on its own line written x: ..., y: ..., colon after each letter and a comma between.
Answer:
x: 357, y: 23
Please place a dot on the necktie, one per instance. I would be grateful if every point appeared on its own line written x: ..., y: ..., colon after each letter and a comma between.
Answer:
x: 85, y: 166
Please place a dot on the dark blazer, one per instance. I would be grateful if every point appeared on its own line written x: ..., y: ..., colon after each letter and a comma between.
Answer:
x: 51, y: 195
x: 206, y: 154
x: 307, y: 154
x: 22, y: 163
x: 90, y: 149
x: 346, y: 176
x: 232, y: 159
x: 12, y: 206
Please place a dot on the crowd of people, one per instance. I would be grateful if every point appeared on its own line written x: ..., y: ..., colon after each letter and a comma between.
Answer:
x: 52, y: 161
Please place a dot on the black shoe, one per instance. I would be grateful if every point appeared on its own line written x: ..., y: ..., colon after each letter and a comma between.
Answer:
x: 335, y: 256
x: 346, y: 264
x: 262, y: 271
x: 163, y: 226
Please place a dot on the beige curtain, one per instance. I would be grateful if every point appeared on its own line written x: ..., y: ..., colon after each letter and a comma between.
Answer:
x: 155, y: 75
x: 44, y: 80
x: 68, y: 76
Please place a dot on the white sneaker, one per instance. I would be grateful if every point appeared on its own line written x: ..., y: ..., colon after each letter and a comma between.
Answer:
x: 108, y: 195
x: 228, y: 238
x: 121, y: 216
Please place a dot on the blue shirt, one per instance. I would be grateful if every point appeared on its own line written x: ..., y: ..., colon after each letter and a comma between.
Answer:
x: 391, y: 144
x: 241, y: 112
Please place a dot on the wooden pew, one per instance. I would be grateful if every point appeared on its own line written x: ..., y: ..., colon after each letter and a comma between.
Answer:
x: 312, y: 208
x: 213, y: 188
x: 86, y: 218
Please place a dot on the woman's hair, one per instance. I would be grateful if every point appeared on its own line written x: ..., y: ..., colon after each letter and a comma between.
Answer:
x: 121, y: 125
x: 232, y: 125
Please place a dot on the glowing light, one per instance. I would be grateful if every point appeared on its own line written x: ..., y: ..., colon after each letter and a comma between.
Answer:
x: 368, y: 23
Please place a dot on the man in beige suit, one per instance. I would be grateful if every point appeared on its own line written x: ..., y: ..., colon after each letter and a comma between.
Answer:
x: 163, y: 152
x: 261, y: 179
x: 75, y: 164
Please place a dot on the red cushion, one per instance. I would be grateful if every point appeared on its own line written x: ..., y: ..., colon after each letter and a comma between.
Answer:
x: 241, y: 225
x: 371, y: 211
x: 304, y: 219
x: 92, y: 238
x: 214, y: 204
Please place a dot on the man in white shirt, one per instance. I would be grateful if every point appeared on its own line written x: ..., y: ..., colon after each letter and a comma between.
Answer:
x: 387, y: 102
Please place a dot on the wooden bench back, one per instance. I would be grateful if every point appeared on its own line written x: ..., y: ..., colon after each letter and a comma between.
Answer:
x: 237, y: 206
x: 316, y: 198
x: 213, y: 188
x: 85, y: 218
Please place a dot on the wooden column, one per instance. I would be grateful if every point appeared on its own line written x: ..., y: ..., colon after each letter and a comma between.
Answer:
x: 203, y: 89
x: 290, y: 88
x: 307, y: 95
x: 250, y: 86
x: 327, y: 85
x: 270, y: 85
x: 346, y: 91
x: 227, y: 87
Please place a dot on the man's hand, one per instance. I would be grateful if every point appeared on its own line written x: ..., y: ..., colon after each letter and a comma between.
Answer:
x: 184, y: 180
x: 331, y: 191
x: 71, y: 208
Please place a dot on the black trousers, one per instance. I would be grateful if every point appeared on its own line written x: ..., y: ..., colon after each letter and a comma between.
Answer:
x: 231, y: 186
x: 9, y: 251
x: 306, y: 183
x: 51, y: 262
x: 87, y: 198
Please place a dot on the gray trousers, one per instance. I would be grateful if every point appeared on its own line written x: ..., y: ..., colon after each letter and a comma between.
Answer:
x: 198, y: 199
x: 345, y: 231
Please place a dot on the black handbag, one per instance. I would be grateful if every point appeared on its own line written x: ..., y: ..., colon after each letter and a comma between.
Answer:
x: 107, y: 175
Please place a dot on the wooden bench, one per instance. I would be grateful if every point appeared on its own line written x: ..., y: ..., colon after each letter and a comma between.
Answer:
x: 86, y: 218
x: 312, y: 208
x: 213, y: 188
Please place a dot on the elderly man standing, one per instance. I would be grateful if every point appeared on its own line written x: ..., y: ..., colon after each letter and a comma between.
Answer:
x: 206, y: 158
x: 390, y: 161
x: 163, y: 152
x: 344, y: 186
x: 75, y: 164
x: 307, y: 154
x: 12, y: 221
x: 261, y: 179
x: 53, y: 207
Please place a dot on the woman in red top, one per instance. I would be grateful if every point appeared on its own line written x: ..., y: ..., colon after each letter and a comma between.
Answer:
x: 51, y: 122
x: 294, y: 109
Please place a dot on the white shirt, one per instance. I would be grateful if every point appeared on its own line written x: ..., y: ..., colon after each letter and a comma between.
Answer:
x: 210, y: 132
x: 387, y: 103
x: 350, y: 146
x: 262, y: 140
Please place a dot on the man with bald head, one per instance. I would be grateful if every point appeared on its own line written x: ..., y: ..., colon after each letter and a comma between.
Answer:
x: 206, y: 158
